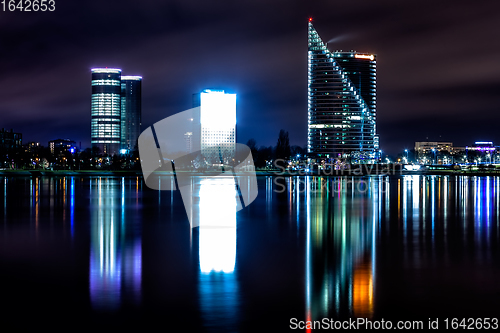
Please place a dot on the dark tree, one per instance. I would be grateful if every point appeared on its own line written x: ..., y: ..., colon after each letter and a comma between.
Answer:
x: 96, y: 151
x: 116, y: 162
x: 252, y: 144
x: 297, y: 150
x: 84, y: 158
x: 283, y: 147
x: 264, y: 154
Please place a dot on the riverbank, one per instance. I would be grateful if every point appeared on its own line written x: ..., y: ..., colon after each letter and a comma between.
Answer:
x: 323, y: 173
x: 50, y: 173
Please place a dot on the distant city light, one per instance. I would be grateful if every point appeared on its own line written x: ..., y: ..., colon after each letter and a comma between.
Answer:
x: 362, y: 56
x: 481, y: 148
x: 411, y: 167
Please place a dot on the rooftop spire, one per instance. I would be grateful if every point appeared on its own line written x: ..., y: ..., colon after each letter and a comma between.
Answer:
x: 315, y: 41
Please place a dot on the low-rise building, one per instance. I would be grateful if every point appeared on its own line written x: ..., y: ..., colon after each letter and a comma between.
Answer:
x: 62, y: 145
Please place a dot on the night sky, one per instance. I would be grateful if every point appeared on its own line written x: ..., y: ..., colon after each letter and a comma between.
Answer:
x: 438, y: 63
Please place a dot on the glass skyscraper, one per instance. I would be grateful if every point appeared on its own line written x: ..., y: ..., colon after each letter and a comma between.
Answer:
x: 342, y: 89
x: 115, y: 110
x: 131, y: 111
x: 106, y: 110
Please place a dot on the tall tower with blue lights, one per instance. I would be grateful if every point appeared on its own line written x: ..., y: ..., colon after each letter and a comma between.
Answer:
x: 115, y: 111
x: 105, y: 124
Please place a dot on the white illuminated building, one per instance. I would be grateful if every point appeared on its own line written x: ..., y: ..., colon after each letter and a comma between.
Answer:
x: 218, y: 125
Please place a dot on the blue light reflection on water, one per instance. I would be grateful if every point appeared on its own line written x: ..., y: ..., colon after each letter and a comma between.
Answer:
x: 115, y: 271
x: 344, y: 231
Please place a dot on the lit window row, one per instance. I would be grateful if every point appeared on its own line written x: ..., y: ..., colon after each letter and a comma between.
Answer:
x: 102, y: 120
x: 105, y: 113
x: 105, y: 82
x: 105, y: 103
x: 105, y: 141
x: 104, y: 127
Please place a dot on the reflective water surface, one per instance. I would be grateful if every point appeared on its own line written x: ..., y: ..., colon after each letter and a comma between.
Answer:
x: 108, y: 251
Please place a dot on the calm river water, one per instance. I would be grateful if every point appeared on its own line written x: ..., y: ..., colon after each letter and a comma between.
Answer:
x: 109, y: 252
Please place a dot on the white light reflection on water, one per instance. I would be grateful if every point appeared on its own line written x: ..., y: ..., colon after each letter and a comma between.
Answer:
x: 218, y: 285
x: 72, y: 206
x: 115, y: 259
x: 5, y: 200
x: 217, y: 209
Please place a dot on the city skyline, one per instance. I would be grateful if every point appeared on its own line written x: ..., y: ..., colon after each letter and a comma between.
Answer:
x: 348, y: 181
x: 436, y: 62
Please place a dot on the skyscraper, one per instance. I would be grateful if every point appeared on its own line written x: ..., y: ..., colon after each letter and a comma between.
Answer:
x: 217, y: 120
x: 341, y: 103
x: 115, y: 110
x: 106, y: 110
x: 130, y: 111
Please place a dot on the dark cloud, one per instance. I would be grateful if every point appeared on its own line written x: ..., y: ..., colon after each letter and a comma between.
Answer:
x: 436, y: 60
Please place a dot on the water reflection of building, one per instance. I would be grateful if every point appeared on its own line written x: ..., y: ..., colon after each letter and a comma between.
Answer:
x: 342, y: 215
x: 218, y: 285
x: 433, y: 207
x: 115, y: 251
